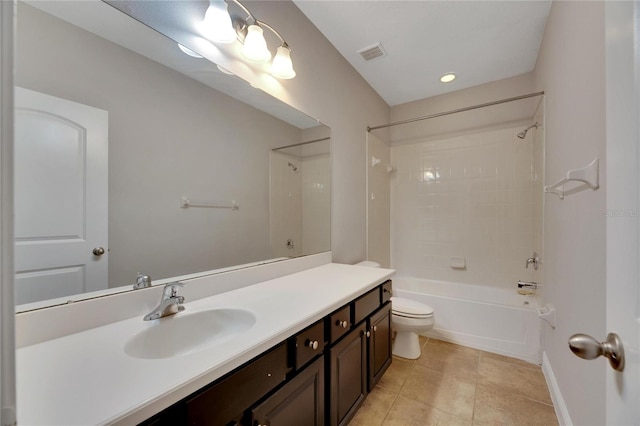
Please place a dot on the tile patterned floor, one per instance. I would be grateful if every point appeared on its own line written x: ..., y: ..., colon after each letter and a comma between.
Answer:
x: 456, y: 385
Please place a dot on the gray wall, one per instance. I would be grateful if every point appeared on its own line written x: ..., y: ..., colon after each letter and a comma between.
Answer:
x: 571, y: 71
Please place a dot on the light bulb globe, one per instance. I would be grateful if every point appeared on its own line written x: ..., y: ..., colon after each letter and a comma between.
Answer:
x: 255, y: 46
x: 217, y: 23
x: 282, y: 67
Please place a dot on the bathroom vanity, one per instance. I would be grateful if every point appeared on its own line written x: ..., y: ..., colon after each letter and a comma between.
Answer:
x: 320, y: 342
x: 320, y: 375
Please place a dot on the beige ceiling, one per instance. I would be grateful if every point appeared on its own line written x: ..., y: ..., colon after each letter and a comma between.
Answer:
x: 481, y: 41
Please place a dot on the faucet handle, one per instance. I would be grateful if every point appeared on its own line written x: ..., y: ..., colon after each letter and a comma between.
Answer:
x: 171, y: 290
x: 535, y: 260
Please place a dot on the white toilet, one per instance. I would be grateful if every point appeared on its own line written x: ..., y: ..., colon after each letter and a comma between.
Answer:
x: 408, y: 318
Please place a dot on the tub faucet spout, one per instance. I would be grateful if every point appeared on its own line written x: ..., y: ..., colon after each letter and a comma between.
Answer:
x: 528, y: 284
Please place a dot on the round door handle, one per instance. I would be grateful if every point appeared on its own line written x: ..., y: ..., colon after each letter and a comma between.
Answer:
x: 313, y: 344
x: 342, y: 323
x: 587, y: 347
x: 98, y: 251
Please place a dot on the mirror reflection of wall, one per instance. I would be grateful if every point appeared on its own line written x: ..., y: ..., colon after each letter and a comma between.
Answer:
x: 169, y: 136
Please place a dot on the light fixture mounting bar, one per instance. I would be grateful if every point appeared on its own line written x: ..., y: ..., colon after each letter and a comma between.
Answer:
x: 241, y: 24
x: 264, y: 24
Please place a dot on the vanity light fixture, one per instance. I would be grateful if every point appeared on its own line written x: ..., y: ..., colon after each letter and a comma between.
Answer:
x: 222, y: 27
x: 448, y: 77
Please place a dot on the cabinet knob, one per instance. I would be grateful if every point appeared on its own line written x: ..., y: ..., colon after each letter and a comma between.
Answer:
x: 368, y: 333
x: 374, y: 328
x: 342, y: 323
x: 313, y: 344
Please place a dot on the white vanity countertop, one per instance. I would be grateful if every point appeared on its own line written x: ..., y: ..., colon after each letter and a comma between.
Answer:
x: 86, y: 378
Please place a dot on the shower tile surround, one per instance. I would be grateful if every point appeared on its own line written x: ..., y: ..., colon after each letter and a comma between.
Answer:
x: 471, y: 196
x: 300, y: 203
x: 457, y: 385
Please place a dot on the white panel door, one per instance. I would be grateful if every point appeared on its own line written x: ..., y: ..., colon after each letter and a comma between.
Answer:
x: 623, y: 204
x: 61, y: 197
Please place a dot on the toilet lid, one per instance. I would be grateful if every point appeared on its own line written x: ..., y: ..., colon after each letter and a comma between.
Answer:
x: 410, y: 308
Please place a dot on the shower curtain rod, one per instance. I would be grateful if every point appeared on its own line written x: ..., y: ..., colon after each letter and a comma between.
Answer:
x: 301, y: 143
x: 440, y: 114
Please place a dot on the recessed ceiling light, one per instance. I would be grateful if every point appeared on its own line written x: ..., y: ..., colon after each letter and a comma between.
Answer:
x: 448, y: 78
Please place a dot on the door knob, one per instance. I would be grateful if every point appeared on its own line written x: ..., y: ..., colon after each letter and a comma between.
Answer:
x: 98, y: 251
x: 587, y: 347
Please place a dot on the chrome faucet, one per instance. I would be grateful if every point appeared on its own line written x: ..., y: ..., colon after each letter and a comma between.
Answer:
x: 535, y: 260
x: 529, y: 284
x: 142, y: 281
x: 170, y: 303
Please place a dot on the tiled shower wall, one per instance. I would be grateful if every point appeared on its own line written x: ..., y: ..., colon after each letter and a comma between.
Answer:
x: 300, y: 204
x: 470, y: 197
x: 316, y: 204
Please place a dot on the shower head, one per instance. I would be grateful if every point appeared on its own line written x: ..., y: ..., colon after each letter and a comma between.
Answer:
x: 293, y: 167
x: 523, y: 134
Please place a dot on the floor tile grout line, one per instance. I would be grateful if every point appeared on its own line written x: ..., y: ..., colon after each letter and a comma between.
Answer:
x: 427, y: 404
x: 390, y: 408
x: 470, y: 373
x: 475, y: 390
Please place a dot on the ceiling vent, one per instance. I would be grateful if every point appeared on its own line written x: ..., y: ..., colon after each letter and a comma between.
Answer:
x: 372, y: 52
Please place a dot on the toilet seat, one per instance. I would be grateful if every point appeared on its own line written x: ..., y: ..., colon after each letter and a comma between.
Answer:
x: 408, y: 308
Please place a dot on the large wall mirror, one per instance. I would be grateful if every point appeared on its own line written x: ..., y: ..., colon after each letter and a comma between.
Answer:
x: 134, y: 158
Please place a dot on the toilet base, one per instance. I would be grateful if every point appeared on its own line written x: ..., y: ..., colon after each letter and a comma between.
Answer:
x: 406, y: 345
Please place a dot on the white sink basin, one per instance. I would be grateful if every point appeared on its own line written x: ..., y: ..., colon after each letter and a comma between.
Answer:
x: 185, y: 333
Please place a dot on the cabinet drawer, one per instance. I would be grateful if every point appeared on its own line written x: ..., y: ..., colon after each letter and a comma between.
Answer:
x: 226, y: 400
x: 299, y: 402
x: 386, y: 292
x: 309, y: 343
x: 339, y: 323
x: 366, y: 304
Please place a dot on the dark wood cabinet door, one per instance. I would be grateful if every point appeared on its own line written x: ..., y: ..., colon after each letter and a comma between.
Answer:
x: 299, y: 403
x: 379, y: 344
x: 348, y: 376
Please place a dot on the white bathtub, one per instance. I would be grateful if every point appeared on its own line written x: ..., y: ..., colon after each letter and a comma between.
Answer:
x: 487, y: 318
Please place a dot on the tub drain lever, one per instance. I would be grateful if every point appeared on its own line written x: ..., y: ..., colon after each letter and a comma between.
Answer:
x: 548, y: 314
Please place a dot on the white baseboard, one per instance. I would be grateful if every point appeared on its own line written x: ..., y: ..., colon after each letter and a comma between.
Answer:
x: 558, y: 402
